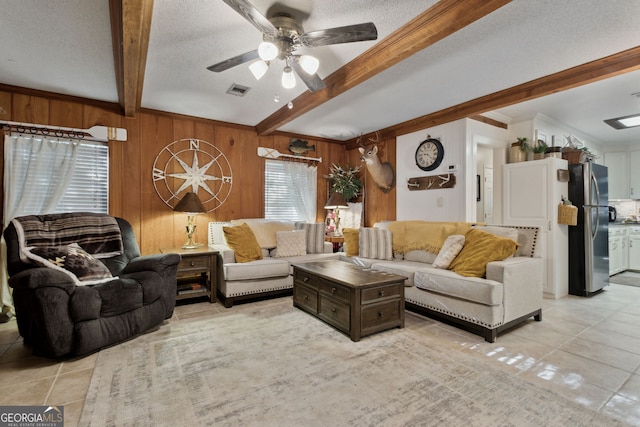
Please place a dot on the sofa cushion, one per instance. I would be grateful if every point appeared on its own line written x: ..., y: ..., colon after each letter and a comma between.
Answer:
x: 72, y: 260
x: 506, y: 232
x: 241, y: 239
x: 351, y: 241
x: 291, y: 243
x: 375, y: 243
x: 479, y: 249
x: 315, y: 236
x: 446, y: 282
x: 401, y: 268
x: 420, y: 256
x: 450, y: 249
x: 260, y: 269
x: 265, y: 229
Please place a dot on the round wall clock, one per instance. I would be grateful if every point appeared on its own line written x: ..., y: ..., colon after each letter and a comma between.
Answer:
x: 192, y: 165
x: 429, y: 154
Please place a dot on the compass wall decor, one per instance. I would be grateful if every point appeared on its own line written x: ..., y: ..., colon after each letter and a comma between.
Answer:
x: 192, y: 165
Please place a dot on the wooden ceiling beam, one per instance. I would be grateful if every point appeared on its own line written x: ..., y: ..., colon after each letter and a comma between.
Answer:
x: 441, y: 20
x: 130, y: 28
x: 603, y: 68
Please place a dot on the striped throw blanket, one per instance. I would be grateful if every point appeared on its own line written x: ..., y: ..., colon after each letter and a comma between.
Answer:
x: 98, y: 234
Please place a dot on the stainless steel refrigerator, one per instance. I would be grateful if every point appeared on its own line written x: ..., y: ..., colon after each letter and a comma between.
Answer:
x: 589, y: 240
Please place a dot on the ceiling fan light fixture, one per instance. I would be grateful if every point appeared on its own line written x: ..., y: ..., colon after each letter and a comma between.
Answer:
x: 258, y: 69
x: 288, y: 79
x: 309, y: 63
x: 268, y: 51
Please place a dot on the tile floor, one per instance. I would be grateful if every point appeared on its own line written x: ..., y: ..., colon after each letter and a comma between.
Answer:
x: 587, y: 349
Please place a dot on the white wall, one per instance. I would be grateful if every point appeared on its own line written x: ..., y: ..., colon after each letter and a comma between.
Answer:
x: 460, y: 140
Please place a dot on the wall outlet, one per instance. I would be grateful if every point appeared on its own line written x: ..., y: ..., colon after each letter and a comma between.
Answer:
x: 452, y: 168
x: 440, y: 202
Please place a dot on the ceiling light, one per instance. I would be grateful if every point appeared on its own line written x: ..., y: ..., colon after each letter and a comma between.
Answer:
x: 288, y: 79
x: 309, y: 63
x: 267, y: 51
x: 258, y: 69
x: 624, y: 122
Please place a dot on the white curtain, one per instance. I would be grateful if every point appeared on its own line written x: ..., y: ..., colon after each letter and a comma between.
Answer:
x: 37, y: 171
x: 303, y: 183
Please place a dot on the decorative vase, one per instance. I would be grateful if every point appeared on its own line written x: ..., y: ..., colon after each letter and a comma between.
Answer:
x: 516, y: 154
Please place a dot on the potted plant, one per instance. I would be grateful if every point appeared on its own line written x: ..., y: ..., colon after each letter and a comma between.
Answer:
x: 539, y: 149
x: 345, y: 180
x: 518, y: 150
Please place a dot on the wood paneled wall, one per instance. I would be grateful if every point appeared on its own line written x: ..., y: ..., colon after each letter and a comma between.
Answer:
x: 132, y: 194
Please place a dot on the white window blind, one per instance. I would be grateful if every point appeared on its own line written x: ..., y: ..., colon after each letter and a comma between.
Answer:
x: 290, y: 191
x: 88, y: 189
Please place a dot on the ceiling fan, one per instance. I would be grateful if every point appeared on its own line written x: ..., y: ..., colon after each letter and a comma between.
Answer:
x: 282, y: 36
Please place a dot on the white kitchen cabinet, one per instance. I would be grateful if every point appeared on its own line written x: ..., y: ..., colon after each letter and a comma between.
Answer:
x: 624, y: 252
x: 532, y: 192
x: 617, y: 164
x: 614, y: 249
x: 634, y: 252
x: 634, y: 175
x: 618, y: 249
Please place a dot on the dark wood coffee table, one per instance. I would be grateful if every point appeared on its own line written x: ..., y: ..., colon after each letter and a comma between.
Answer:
x: 354, y: 300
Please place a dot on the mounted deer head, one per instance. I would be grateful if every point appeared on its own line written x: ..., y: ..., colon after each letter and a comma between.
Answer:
x: 382, y: 173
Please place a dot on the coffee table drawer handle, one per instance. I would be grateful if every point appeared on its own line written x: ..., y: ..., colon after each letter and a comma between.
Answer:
x: 381, y: 293
x: 306, y: 298
x: 380, y: 314
x: 333, y: 290
x: 333, y: 310
x: 193, y: 263
x: 305, y: 279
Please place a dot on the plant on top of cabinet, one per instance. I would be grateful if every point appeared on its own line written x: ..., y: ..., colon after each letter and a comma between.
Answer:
x: 518, y: 150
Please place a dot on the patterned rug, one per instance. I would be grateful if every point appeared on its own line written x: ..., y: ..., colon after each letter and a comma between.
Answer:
x: 278, y: 366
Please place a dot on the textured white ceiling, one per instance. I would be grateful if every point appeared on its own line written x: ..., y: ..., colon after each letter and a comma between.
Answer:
x: 64, y: 46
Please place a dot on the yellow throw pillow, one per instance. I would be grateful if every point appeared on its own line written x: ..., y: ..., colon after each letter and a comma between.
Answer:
x: 351, y: 241
x: 243, y: 242
x: 481, y: 248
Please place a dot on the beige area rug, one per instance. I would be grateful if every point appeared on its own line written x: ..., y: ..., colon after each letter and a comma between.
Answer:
x: 629, y: 278
x: 277, y: 366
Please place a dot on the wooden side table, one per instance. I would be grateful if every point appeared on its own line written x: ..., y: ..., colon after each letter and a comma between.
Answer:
x: 337, y: 241
x: 196, y: 272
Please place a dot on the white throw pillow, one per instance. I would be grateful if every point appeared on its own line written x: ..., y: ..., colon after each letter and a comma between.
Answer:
x: 291, y: 243
x: 376, y: 243
x: 450, y: 249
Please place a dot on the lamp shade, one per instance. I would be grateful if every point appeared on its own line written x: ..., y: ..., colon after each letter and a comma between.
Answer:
x: 336, y: 201
x: 190, y: 203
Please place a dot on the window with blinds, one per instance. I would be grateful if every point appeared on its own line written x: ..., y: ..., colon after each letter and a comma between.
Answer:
x: 88, y: 190
x: 288, y: 191
x: 89, y: 187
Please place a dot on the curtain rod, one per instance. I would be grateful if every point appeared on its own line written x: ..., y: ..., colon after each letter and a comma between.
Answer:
x: 272, y: 153
x: 96, y: 133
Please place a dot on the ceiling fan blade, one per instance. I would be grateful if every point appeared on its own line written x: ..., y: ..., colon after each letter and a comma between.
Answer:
x: 348, y: 34
x: 252, y: 15
x: 232, y: 62
x: 313, y: 81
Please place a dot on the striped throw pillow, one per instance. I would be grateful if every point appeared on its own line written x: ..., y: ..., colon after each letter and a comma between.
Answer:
x: 375, y: 243
x: 315, y: 236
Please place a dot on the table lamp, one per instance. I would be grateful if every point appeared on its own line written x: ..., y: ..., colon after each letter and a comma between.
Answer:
x: 335, y: 202
x: 192, y: 206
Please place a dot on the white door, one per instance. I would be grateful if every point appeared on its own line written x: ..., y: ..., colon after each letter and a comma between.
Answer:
x: 488, y: 195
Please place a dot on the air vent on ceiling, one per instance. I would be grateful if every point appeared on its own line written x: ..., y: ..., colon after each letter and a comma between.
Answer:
x: 238, y: 90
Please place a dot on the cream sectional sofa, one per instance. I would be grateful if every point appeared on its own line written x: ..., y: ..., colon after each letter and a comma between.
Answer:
x: 270, y: 276
x: 510, y: 293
